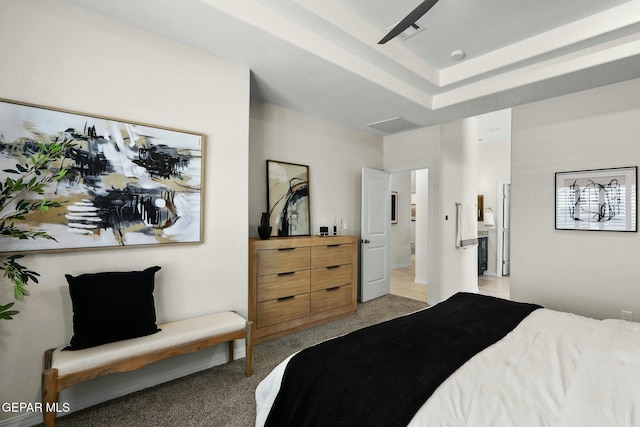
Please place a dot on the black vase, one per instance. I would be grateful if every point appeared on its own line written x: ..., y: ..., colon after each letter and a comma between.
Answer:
x: 264, y: 229
x: 264, y: 219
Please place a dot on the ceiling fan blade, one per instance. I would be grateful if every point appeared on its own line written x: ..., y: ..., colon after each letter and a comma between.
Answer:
x: 411, y: 18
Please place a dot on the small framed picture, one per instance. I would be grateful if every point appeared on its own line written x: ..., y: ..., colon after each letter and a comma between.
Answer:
x: 394, y: 207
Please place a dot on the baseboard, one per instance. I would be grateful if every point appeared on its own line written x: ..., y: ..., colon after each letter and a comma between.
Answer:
x: 88, y: 400
x: 22, y: 420
x: 403, y: 265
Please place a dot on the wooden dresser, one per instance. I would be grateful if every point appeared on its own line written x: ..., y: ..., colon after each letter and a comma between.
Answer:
x: 299, y: 282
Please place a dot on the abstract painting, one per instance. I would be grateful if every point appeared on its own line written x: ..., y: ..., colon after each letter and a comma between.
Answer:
x: 599, y: 199
x: 128, y: 184
x: 288, y: 198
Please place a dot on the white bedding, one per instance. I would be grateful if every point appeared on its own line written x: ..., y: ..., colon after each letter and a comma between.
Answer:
x: 554, y: 369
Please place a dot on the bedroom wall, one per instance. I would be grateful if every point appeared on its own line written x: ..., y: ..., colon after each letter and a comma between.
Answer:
x: 586, y: 272
x: 334, y: 153
x: 57, y: 55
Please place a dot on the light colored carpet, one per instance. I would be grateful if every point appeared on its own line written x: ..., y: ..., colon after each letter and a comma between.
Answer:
x: 222, y: 395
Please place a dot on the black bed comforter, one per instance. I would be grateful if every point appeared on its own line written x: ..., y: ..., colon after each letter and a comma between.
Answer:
x: 382, y: 375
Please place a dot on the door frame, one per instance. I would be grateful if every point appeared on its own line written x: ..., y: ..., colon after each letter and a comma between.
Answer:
x: 500, y: 226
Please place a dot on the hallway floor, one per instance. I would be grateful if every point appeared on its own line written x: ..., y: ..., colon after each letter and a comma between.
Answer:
x: 402, y: 284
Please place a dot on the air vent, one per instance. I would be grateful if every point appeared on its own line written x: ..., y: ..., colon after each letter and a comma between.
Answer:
x: 411, y: 30
x: 396, y: 124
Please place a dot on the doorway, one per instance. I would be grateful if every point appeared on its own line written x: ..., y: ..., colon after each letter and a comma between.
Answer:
x: 409, y: 236
x: 494, y: 167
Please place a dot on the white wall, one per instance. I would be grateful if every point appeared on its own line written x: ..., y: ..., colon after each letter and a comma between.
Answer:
x: 57, y: 55
x: 449, y: 152
x: 458, y: 184
x: 422, y: 237
x: 586, y: 272
x: 420, y: 149
x: 494, y: 166
x: 334, y: 153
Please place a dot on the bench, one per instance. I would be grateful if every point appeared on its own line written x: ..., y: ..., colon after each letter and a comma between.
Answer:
x: 63, y: 369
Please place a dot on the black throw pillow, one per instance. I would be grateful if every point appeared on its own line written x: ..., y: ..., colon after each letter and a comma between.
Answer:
x: 112, y: 306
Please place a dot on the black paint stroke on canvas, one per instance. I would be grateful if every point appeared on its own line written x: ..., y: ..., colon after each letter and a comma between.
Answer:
x: 298, y: 191
x: 606, y: 206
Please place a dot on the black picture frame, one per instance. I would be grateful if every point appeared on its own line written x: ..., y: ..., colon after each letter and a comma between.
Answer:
x: 597, y: 199
x: 394, y: 207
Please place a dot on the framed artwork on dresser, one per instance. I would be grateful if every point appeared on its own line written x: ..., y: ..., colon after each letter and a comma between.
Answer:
x: 288, y: 198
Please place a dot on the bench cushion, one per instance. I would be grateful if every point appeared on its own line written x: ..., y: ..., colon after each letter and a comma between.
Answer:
x: 171, y: 334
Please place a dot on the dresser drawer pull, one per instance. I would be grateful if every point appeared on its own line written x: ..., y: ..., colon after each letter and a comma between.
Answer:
x: 286, y: 249
x: 335, y: 288
x: 288, y: 273
x: 331, y: 267
x: 286, y: 298
x: 333, y: 246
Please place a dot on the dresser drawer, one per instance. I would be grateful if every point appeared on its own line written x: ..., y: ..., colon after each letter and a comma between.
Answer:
x: 274, y: 261
x: 329, y: 255
x: 330, y: 298
x: 329, y: 277
x: 281, y: 310
x: 280, y: 285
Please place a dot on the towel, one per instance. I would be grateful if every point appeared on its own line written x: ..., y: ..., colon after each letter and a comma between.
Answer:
x: 466, y: 226
x: 489, y: 221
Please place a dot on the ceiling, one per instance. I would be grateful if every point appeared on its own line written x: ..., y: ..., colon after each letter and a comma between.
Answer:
x: 322, y: 57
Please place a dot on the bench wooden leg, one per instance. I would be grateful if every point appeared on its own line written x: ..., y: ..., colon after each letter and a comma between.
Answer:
x: 231, y: 348
x: 249, y: 349
x: 49, y: 396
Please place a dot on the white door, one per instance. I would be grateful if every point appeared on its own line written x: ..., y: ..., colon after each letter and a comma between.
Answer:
x: 506, y: 229
x: 375, y: 242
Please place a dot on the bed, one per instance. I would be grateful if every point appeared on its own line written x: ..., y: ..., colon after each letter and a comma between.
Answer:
x: 471, y: 360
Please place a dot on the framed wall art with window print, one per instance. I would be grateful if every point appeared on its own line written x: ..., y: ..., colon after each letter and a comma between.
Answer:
x: 127, y: 184
x: 288, y: 198
x: 597, y: 199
